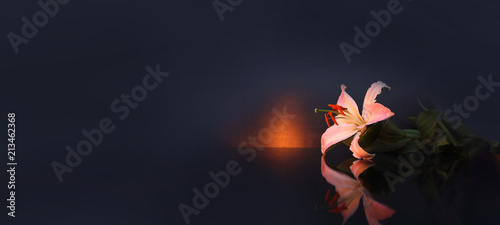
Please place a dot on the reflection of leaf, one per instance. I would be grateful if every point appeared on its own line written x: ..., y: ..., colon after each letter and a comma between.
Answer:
x: 441, y: 173
x: 426, y: 123
x: 374, y: 181
x: 345, y: 165
x: 451, y: 173
x: 390, y: 133
x: 386, y: 161
x: 427, y: 186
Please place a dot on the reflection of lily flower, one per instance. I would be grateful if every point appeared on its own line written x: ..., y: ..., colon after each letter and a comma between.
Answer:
x: 351, y: 190
x: 350, y: 122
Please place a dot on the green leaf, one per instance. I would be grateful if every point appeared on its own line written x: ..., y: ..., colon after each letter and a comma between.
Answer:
x: 413, y: 119
x: 411, y: 133
x: 348, y: 141
x: 390, y: 133
x: 422, y: 105
x: 408, y: 148
x: 441, y: 141
x: 370, y: 135
x: 381, y: 147
x: 426, y: 123
x: 448, y: 133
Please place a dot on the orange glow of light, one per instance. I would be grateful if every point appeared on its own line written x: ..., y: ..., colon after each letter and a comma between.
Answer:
x: 294, y: 134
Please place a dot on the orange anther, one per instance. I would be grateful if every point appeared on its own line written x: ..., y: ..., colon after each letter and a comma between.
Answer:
x: 339, y: 108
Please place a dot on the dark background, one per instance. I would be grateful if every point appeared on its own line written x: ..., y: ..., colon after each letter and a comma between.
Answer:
x: 226, y: 77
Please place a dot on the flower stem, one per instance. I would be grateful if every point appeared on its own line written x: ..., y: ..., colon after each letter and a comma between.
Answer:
x: 411, y: 133
x: 316, y: 110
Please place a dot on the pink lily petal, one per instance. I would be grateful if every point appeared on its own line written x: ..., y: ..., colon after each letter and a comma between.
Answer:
x: 348, y: 188
x: 336, y: 134
x: 346, y: 101
x: 350, y: 193
x: 357, y: 151
x: 376, y: 211
x: 359, y: 166
x: 352, y: 206
x: 338, y: 179
x: 346, y: 119
x: 374, y: 90
x: 376, y: 112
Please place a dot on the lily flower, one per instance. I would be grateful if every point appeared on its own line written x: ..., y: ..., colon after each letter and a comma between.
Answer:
x: 349, y: 192
x: 349, y: 122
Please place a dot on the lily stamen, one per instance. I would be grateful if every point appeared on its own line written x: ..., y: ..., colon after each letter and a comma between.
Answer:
x: 338, y: 209
x: 333, y: 118
x: 333, y: 198
x: 337, y: 109
x: 327, y: 194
